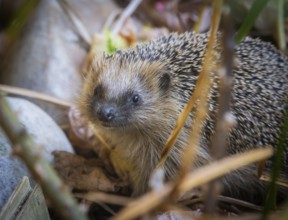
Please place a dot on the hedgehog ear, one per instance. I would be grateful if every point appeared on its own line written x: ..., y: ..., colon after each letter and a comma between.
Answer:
x: 164, y: 82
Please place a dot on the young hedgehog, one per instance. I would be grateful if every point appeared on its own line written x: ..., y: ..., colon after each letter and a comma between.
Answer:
x: 134, y: 97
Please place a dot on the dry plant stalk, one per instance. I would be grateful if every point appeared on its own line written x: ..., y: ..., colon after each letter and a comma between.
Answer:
x: 224, y: 117
x: 36, y: 95
x: 76, y: 21
x: 204, y: 88
x: 101, y: 139
x: 104, y: 197
x: 238, y: 202
x: 200, y: 18
x: 129, y: 10
x: 200, y: 93
x: 280, y: 182
x: 198, y: 177
x: 201, y: 88
x: 24, y: 147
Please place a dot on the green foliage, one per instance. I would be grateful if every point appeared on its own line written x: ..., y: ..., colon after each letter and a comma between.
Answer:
x: 270, y: 202
x: 21, y: 17
x: 111, y: 47
x: 280, y: 25
x: 250, y: 19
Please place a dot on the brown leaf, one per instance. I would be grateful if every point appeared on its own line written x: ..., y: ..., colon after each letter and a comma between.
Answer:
x: 84, y: 174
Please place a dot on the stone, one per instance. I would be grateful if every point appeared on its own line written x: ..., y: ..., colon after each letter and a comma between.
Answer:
x: 46, y: 134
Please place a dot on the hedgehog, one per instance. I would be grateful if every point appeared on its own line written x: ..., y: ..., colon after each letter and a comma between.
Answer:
x: 134, y: 97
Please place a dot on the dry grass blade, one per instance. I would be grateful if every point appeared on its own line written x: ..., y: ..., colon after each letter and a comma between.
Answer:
x: 280, y: 182
x: 101, y: 139
x: 238, y: 202
x: 221, y: 167
x: 110, y: 20
x: 104, y: 197
x: 201, y: 88
x: 202, y: 110
x: 225, y: 119
x: 199, y: 177
x: 200, y: 18
x: 144, y: 204
x: 229, y: 200
x: 32, y: 94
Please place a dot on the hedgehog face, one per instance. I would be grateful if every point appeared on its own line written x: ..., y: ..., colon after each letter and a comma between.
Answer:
x: 114, y: 111
x: 131, y: 94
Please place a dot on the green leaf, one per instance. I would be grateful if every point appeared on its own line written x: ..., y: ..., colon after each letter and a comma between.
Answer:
x: 250, y: 19
x: 280, y: 25
x: 111, y: 47
x: 271, y: 197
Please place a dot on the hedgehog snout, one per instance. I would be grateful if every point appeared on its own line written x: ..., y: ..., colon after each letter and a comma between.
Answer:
x: 107, y: 112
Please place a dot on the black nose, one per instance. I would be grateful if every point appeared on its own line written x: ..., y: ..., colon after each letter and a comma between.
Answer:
x: 107, y: 112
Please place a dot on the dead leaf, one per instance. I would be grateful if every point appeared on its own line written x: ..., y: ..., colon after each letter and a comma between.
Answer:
x: 84, y: 174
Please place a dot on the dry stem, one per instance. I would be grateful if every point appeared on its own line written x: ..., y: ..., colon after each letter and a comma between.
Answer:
x: 76, y: 21
x: 125, y: 14
x: 201, y: 84
x: 224, y: 115
x: 36, y: 95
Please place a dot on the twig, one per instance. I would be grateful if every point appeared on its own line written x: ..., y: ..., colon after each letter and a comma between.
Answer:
x: 129, y: 10
x: 32, y: 94
x: 202, y: 175
x: 27, y: 150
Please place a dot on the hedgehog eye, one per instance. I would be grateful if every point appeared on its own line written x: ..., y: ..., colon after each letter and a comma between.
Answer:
x: 135, y: 98
x: 164, y: 82
x: 98, y: 91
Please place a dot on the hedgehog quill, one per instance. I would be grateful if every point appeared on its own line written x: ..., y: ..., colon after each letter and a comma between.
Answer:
x: 134, y: 97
